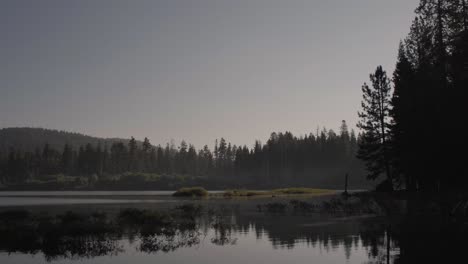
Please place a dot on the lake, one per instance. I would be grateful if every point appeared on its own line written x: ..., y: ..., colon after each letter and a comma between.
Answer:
x: 225, y: 231
x: 40, y: 198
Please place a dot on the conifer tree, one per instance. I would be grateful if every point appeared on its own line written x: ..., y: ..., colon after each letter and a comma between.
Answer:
x: 403, y: 115
x: 374, y: 121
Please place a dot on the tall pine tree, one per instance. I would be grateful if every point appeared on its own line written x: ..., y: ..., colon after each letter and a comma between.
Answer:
x: 375, y: 123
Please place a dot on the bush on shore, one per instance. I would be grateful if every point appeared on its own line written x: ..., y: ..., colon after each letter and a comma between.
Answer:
x: 191, y: 192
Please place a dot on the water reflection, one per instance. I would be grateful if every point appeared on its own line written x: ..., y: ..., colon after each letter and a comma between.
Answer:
x: 74, y: 236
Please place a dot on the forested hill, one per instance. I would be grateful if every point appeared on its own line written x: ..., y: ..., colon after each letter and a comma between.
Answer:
x: 28, y: 139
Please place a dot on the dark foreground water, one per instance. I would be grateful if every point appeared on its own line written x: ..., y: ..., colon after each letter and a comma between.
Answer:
x: 218, y: 233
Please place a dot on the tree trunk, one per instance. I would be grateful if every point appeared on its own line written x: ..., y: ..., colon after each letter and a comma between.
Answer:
x: 346, y: 184
x: 384, y: 139
x: 388, y: 245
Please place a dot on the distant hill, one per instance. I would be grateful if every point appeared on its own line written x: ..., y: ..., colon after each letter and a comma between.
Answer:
x: 28, y: 139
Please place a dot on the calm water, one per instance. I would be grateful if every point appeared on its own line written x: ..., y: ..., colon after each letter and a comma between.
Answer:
x: 37, y: 198
x: 86, y: 193
x: 226, y: 233
x: 248, y: 248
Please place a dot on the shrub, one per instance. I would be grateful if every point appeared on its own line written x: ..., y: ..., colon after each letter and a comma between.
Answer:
x: 191, y: 192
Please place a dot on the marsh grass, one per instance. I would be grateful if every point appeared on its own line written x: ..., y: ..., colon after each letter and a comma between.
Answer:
x: 277, y: 192
x: 243, y: 193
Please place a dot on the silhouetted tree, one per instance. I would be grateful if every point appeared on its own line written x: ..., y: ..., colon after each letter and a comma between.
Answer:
x: 145, y: 154
x: 375, y: 123
x: 132, y: 154
x: 67, y: 160
x: 430, y: 79
x: 403, y: 111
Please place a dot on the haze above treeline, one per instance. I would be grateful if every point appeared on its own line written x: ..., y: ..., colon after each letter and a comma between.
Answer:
x: 192, y: 70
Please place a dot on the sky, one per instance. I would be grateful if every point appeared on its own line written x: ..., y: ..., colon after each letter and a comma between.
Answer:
x: 193, y: 69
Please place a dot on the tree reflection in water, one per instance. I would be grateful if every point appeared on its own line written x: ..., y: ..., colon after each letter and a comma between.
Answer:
x: 224, y: 227
x: 78, y: 236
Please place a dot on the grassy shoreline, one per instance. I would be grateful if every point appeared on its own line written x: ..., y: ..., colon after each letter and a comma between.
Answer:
x: 277, y: 192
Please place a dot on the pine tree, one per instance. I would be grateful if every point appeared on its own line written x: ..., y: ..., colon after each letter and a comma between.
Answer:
x: 216, y: 154
x: 403, y: 115
x: 374, y: 121
x: 181, y: 158
x: 132, y: 154
x: 160, y: 166
x: 192, y: 160
x: 345, y: 140
x: 67, y: 160
x: 145, y: 153
x: 458, y: 113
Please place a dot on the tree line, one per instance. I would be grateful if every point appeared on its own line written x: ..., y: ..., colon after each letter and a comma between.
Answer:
x: 323, y: 156
x: 414, y: 136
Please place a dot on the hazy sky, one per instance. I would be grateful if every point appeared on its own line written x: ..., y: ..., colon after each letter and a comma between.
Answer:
x: 192, y: 69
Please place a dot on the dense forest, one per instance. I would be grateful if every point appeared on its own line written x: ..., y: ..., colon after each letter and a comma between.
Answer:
x: 413, y: 135
x: 319, y: 159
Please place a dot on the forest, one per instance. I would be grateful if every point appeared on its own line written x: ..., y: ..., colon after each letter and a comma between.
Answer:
x: 320, y: 159
x: 411, y: 123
